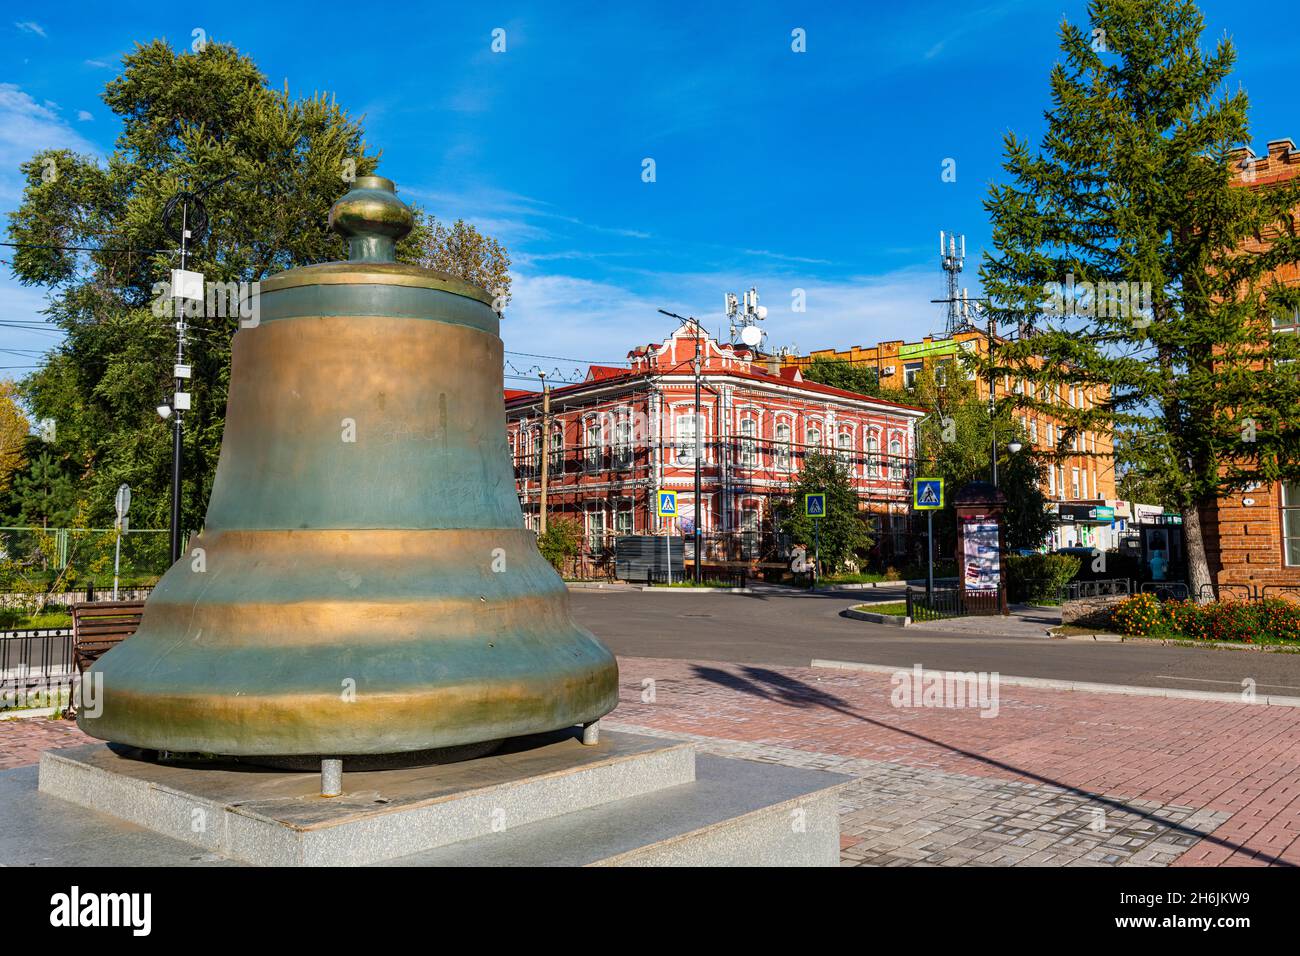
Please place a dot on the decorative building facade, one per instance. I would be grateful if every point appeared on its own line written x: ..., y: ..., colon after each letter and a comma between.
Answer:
x: 624, y: 432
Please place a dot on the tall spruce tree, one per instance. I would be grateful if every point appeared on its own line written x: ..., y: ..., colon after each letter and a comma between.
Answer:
x: 1137, y: 263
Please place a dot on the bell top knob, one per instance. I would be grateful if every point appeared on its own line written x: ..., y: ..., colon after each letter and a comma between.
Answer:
x: 372, y: 219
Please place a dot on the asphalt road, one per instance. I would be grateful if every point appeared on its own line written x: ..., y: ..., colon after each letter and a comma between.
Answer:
x: 796, y: 628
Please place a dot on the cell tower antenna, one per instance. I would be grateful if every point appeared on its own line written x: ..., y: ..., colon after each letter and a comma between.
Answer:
x: 952, y: 257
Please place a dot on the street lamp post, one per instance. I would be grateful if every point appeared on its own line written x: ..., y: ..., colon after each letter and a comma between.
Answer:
x: 699, y: 448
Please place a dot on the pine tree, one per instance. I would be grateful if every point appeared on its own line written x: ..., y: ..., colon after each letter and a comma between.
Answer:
x: 1124, y: 253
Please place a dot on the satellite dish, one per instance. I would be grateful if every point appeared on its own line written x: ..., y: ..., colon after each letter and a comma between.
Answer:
x: 761, y: 312
x: 751, y: 335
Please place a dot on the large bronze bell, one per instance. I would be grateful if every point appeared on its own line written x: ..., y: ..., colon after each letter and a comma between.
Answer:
x: 364, y: 582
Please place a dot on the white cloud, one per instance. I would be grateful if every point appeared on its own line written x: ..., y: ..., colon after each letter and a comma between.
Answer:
x: 83, y: 116
x: 27, y: 127
x: 599, y: 321
x: 98, y: 64
x: 28, y: 26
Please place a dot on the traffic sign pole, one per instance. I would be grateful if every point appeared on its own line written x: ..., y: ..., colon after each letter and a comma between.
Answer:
x: 817, y: 552
x: 929, y: 546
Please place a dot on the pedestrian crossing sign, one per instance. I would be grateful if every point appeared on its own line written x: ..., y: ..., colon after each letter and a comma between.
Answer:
x: 814, y: 505
x: 667, y: 504
x: 927, y: 494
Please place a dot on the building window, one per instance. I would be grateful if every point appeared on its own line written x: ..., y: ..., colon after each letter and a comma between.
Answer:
x: 1291, y: 522
x: 596, y: 529
x: 555, y: 451
x: 623, y: 517
x: 782, y: 450
x: 686, y: 439
x: 623, y: 440
x: 1033, y: 432
x: 1074, y: 483
x: 873, y: 453
x: 535, y: 449
x: 895, y: 459
x: 591, y: 443
x: 909, y: 375
x: 844, y: 448
x: 813, y: 438
x: 748, y: 446
x: 748, y: 531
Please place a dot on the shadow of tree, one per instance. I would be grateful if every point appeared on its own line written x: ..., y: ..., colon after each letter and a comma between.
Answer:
x: 789, y: 691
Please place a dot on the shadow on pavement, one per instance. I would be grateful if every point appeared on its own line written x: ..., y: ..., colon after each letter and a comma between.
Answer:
x: 784, y: 689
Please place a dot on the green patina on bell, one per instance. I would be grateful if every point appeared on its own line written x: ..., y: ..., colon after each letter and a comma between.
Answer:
x: 364, y: 583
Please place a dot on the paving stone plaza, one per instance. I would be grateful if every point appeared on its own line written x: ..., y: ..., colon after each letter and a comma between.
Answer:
x: 1056, y: 779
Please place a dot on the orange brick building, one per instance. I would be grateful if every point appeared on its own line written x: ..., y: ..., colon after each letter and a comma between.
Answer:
x: 1086, y: 473
x: 1252, y: 537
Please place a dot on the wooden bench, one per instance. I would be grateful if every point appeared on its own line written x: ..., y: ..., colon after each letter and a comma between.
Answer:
x: 99, y: 626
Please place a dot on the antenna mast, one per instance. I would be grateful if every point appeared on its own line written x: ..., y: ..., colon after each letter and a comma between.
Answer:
x: 952, y: 257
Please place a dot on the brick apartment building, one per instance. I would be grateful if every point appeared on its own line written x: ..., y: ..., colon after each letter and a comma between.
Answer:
x: 1252, y: 537
x: 624, y: 432
x: 1078, y: 485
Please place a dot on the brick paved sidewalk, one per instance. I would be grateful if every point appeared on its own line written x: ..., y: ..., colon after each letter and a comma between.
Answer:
x: 1056, y: 778
x: 1137, y: 759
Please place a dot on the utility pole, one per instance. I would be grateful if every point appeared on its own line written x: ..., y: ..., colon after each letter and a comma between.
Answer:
x: 699, y: 437
x: 993, y: 425
x: 546, y: 451
x: 699, y: 508
x: 186, y: 287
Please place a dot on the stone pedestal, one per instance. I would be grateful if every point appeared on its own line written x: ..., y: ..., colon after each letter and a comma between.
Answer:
x: 548, y: 800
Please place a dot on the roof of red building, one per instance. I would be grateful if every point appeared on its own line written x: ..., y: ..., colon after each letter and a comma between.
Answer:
x: 596, y: 373
x: 788, y: 376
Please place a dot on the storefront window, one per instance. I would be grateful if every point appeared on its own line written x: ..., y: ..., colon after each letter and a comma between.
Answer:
x: 1291, y: 523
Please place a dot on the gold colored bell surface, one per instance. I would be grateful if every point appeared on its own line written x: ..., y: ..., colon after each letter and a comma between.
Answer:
x: 364, y: 582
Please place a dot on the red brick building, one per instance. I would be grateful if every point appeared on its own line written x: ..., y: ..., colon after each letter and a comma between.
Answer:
x: 1252, y: 537
x: 625, y: 432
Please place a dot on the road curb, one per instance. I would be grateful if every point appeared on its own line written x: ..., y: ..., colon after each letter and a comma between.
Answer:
x: 1165, y: 642
x: 1046, y: 683
x: 892, y: 620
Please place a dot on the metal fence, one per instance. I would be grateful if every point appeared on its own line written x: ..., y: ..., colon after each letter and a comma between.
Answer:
x: 923, y: 605
x: 1100, y: 588
x: 31, y: 660
x: 1166, y: 590
x: 1250, y: 593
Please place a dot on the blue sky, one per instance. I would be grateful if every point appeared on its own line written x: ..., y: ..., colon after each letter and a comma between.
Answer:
x: 818, y: 171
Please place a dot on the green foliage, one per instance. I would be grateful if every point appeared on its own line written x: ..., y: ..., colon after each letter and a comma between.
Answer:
x: 1034, y: 578
x: 44, y: 494
x: 1133, y: 188
x: 189, y: 119
x: 955, y: 443
x: 840, y: 373
x: 843, y: 533
x: 562, y: 539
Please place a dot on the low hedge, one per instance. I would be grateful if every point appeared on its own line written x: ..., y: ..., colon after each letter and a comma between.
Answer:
x: 1261, y: 622
x: 1033, y: 578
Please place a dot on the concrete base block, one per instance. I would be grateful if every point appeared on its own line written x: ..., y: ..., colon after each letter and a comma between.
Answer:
x: 550, y: 800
